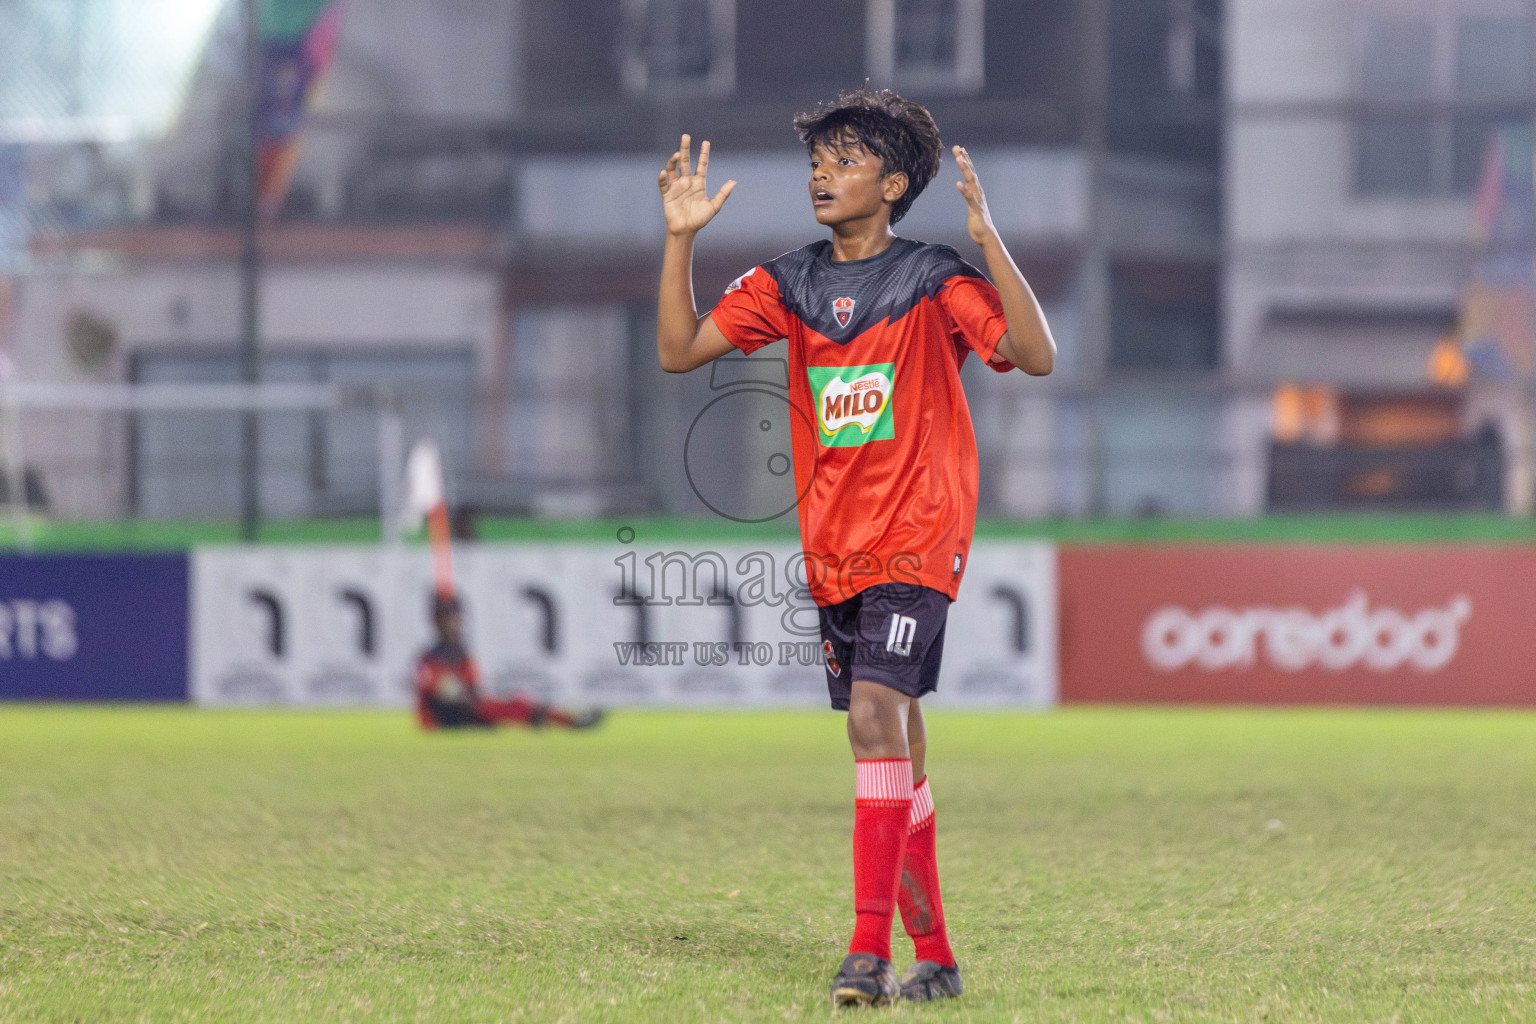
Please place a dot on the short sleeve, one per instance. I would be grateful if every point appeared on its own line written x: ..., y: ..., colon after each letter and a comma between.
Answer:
x: 976, y: 311
x: 751, y: 313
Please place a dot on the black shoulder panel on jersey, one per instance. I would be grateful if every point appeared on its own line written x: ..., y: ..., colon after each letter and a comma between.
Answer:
x: 843, y: 300
x: 791, y: 265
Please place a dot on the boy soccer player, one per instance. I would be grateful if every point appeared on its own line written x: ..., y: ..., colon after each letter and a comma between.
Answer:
x: 885, y: 461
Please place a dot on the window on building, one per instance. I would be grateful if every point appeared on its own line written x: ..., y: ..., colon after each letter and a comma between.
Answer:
x: 1432, y: 86
x: 1395, y: 151
x: 1493, y: 78
x: 1493, y: 58
x: 679, y: 46
x: 1396, y: 156
x: 1163, y: 316
x: 1397, y: 59
x: 933, y: 45
x: 1179, y: 42
x: 106, y: 70
x: 185, y: 465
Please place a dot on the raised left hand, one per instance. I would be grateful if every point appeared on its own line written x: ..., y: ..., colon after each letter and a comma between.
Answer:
x: 978, y: 219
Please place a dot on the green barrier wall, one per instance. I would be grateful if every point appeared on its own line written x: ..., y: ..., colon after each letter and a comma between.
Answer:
x: 1376, y: 529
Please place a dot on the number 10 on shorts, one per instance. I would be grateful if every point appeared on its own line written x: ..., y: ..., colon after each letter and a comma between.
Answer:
x: 903, y: 629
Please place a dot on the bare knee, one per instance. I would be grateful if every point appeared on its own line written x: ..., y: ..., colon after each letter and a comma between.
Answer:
x: 871, y: 726
x: 877, y: 721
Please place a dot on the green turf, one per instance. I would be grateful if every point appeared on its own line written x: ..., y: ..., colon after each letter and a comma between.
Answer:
x: 1477, y: 528
x: 1100, y: 865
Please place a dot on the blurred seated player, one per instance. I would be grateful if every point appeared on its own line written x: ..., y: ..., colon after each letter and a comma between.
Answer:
x: 448, y: 685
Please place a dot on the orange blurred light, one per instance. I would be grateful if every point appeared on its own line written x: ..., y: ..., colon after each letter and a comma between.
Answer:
x: 1308, y: 414
x: 1448, y: 364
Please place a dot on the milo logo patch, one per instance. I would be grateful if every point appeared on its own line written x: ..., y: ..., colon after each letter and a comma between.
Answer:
x: 853, y: 403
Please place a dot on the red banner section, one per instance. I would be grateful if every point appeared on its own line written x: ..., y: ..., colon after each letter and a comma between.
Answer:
x: 1299, y: 625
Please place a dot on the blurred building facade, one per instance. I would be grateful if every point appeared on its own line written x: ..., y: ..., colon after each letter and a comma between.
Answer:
x: 1358, y: 142
x: 473, y: 223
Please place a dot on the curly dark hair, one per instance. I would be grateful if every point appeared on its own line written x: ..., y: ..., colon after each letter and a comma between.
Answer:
x: 901, y: 133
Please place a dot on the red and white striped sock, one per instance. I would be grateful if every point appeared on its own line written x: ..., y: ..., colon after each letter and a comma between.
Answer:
x: 922, y: 806
x: 882, y: 806
x: 922, y: 908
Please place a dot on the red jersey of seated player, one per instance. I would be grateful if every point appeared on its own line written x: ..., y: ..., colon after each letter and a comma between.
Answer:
x: 448, y: 695
x: 885, y: 456
x: 446, y: 679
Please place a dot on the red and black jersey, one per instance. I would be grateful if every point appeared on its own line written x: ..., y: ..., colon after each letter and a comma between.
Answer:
x: 447, y: 686
x: 884, y: 452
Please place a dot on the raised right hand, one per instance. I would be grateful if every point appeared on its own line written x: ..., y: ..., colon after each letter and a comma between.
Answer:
x: 684, y: 198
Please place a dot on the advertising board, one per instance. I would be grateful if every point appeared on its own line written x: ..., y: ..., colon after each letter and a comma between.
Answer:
x: 1299, y: 624
x: 93, y: 627
x: 618, y: 624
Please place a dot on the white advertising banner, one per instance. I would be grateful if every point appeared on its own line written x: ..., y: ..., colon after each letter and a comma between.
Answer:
x: 613, y: 624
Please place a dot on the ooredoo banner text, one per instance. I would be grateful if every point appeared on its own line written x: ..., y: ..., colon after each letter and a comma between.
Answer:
x: 1299, y: 624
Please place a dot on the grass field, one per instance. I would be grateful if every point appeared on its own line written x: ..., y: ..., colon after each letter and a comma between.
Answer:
x: 1100, y: 865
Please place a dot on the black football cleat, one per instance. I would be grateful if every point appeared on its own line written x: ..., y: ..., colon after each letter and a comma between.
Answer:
x: 588, y: 719
x: 926, y: 981
x: 864, y: 980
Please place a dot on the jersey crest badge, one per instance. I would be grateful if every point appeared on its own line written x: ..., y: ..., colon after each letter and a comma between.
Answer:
x: 843, y: 310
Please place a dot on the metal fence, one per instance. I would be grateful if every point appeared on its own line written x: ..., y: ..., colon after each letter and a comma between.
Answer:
x: 710, y: 444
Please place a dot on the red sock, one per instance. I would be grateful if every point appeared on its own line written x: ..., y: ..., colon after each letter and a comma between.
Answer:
x: 523, y: 710
x: 519, y: 710
x: 922, y: 910
x: 882, y: 808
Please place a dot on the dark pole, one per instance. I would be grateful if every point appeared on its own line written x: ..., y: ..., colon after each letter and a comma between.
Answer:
x: 250, y: 276
x: 1097, y: 323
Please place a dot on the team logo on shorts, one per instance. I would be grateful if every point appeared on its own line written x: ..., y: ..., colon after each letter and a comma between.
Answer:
x: 832, y: 665
x: 843, y: 310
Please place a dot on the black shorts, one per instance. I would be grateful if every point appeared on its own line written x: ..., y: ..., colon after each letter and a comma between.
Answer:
x: 891, y: 634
